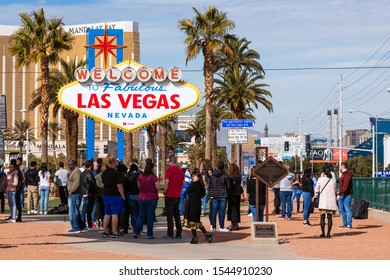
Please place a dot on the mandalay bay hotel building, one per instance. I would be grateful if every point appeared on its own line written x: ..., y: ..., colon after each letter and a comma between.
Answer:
x: 19, y: 84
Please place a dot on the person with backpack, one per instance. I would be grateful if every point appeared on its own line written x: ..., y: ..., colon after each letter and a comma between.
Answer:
x: 32, y: 180
x: 61, y: 180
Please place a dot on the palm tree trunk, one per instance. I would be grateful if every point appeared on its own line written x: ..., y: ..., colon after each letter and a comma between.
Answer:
x: 54, y: 150
x: 44, y: 109
x: 151, y: 130
x: 71, y: 137
x: 197, y: 147
x: 209, y: 80
x: 129, y: 147
x: 214, y: 147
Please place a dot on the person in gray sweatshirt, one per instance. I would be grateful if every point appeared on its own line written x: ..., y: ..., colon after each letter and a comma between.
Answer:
x: 286, y: 193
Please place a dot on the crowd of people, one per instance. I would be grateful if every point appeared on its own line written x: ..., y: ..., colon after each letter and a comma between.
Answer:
x: 119, y: 199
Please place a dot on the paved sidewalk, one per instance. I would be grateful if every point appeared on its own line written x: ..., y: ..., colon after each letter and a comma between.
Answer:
x: 237, y: 248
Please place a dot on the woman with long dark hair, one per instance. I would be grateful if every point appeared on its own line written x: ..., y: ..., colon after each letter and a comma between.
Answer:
x: 307, y: 194
x: 234, y: 197
x: 149, y: 185
x: 44, y: 188
x: 195, y: 192
x: 326, y: 190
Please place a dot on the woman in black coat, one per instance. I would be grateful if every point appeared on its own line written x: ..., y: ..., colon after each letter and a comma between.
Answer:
x: 195, y: 192
x: 234, y: 197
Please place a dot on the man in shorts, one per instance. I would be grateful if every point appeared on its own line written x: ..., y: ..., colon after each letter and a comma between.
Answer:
x: 113, y: 197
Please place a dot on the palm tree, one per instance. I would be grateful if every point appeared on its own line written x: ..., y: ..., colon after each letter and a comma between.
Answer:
x: 236, y: 54
x: 165, y: 127
x: 205, y: 33
x: 219, y: 113
x: 40, y: 40
x: 196, y: 129
x: 19, y: 133
x: 129, y: 146
x: 151, y: 131
x: 173, y: 142
x: 57, y: 79
x: 239, y: 90
x: 54, y: 129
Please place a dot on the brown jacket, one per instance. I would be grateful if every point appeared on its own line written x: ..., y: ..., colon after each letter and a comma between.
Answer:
x: 345, y: 187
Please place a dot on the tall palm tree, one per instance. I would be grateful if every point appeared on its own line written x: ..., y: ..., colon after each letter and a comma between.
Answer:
x: 54, y: 129
x: 236, y: 54
x: 18, y: 133
x: 219, y: 113
x: 205, y: 33
x: 151, y: 131
x: 40, y: 40
x: 129, y: 146
x: 165, y: 127
x: 239, y: 90
x: 196, y: 129
x: 173, y: 142
x: 57, y: 79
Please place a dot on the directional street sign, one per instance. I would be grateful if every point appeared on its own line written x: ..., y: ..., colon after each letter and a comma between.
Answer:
x: 270, y: 172
x: 236, y: 123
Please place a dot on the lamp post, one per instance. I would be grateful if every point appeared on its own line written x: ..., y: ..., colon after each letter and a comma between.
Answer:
x: 374, y: 135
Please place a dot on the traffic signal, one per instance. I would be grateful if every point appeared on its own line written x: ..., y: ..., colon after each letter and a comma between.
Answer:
x: 105, y: 149
x: 308, y: 148
x: 286, y: 146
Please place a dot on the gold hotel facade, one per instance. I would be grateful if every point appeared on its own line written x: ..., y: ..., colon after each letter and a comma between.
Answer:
x: 19, y: 84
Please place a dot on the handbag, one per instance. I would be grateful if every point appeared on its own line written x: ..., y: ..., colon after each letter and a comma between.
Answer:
x: 316, y: 201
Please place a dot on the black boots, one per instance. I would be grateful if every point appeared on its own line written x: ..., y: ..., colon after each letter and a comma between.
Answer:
x: 209, y: 237
x: 194, y: 240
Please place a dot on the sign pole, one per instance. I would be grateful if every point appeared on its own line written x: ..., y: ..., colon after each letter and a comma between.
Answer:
x: 266, y: 203
x: 257, y: 200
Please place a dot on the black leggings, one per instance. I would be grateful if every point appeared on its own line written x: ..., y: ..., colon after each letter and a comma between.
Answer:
x: 330, y: 223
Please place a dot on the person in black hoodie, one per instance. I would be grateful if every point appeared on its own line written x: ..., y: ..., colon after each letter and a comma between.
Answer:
x: 132, y: 176
x: 32, y: 188
x: 89, y: 187
x: 219, y: 187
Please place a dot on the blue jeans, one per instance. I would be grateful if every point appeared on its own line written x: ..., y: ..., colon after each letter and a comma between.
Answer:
x: 204, y: 200
x: 219, y: 206
x: 44, y: 194
x: 296, y: 194
x: 285, y: 197
x: 307, y: 204
x: 254, y: 214
x: 345, y: 209
x: 146, y: 208
x: 74, y: 201
x: 12, y: 204
x: 183, y: 196
x: 87, y: 206
x: 134, y: 209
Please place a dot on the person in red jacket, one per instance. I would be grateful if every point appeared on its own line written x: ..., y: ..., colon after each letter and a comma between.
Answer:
x: 344, y: 197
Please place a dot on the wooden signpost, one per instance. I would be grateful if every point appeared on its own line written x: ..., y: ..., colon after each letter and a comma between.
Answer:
x: 269, y: 172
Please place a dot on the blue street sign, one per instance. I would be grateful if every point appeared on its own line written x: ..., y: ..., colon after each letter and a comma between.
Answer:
x: 237, y: 123
x: 383, y: 173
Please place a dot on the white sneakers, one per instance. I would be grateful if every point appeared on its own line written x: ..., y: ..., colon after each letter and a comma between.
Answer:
x: 223, y: 230
x: 11, y: 221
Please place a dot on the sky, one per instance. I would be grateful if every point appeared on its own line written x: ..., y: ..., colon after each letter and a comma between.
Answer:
x: 307, y: 48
